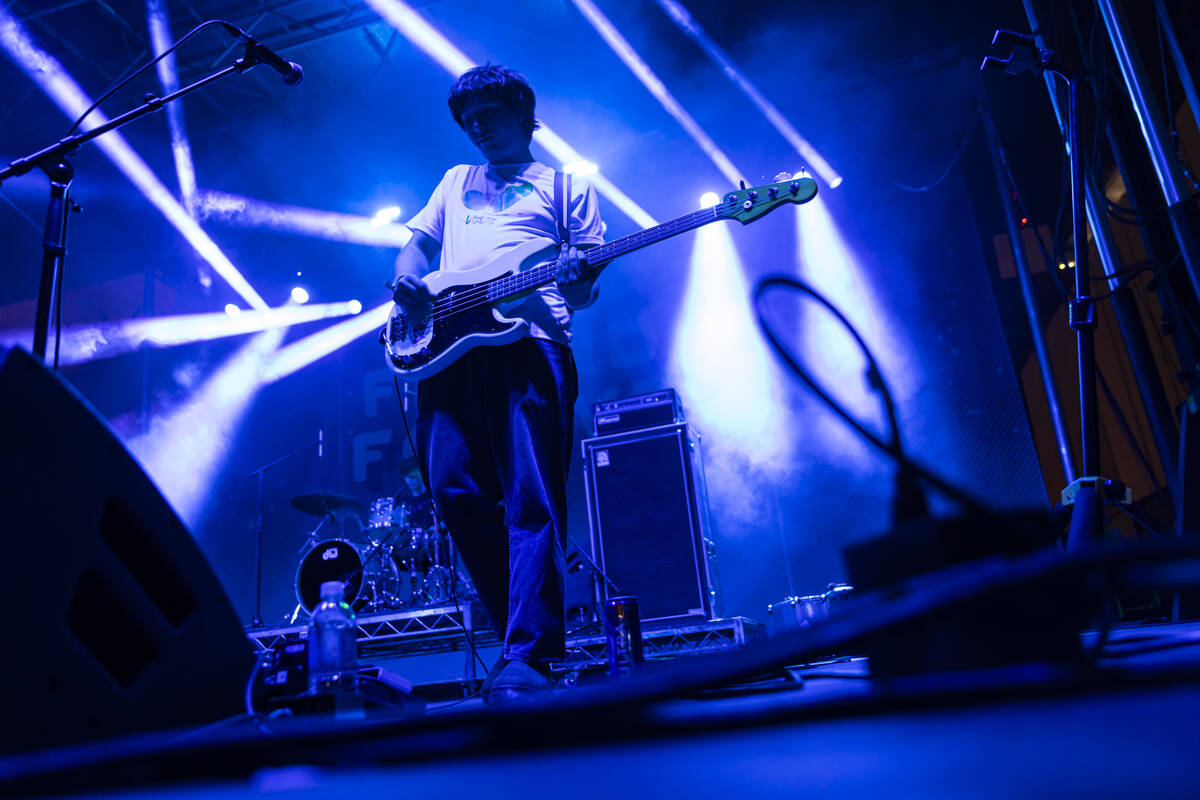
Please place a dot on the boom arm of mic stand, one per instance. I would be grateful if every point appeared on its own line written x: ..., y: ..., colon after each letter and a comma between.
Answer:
x: 52, y: 160
x: 595, y: 567
x: 68, y: 145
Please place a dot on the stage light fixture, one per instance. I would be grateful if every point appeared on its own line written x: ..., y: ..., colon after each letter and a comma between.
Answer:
x: 89, y: 342
x: 385, y: 216
x: 581, y: 168
x: 709, y: 199
x: 691, y: 28
x: 300, y: 294
x: 246, y: 212
x: 412, y: 26
x: 641, y: 70
x: 50, y: 76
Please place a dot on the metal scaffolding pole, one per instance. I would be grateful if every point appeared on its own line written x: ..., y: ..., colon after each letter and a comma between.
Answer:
x: 1167, y: 19
x: 1167, y: 168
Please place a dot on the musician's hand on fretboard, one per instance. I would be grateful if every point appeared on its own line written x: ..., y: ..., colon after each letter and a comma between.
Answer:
x: 573, y: 281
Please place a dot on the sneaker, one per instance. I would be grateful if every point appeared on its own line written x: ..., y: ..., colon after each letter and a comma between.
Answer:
x: 496, y: 668
x: 516, y: 681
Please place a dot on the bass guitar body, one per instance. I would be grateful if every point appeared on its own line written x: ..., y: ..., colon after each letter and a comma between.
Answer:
x: 475, y: 307
x: 470, y: 308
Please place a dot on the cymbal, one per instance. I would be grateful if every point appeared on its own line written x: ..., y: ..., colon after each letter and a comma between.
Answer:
x: 321, y: 504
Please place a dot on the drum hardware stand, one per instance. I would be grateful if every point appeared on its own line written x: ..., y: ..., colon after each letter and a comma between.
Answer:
x: 260, y: 473
x: 597, y: 575
x: 1087, y: 523
x: 309, y: 543
x: 53, y: 161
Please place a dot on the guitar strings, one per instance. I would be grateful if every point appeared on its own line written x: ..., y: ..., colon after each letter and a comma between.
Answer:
x: 600, y: 255
x: 481, y: 294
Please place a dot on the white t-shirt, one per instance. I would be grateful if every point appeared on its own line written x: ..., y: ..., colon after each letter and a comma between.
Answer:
x: 479, y: 211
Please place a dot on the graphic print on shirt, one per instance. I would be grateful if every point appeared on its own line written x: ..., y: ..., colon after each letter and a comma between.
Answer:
x: 494, y: 203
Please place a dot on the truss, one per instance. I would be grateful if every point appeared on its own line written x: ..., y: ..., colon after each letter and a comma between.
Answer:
x: 670, y: 641
x: 444, y: 629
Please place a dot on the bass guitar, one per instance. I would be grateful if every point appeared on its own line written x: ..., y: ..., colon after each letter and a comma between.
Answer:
x: 473, y: 307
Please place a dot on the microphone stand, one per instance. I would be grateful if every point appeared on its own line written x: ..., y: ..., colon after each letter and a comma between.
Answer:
x: 1086, y: 494
x: 260, y: 473
x: 598, y: 574
x: 53, y: 161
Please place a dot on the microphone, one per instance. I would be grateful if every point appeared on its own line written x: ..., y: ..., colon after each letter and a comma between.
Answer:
x: 320, y: 442
x: 291, y: 72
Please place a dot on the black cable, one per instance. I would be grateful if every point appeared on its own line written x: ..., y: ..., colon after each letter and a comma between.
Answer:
x: 1146, y: 525
x: 440, y: 709
x: 875, y: 377
x: 144, y: 67
x: 958, y: 154
x: 437, y: 525
x: 1126, y: 275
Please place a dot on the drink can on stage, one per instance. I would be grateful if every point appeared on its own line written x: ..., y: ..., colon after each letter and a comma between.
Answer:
x: 623, y: 628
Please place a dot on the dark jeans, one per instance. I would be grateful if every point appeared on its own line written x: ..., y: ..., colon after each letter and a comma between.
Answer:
x: 494, y: 431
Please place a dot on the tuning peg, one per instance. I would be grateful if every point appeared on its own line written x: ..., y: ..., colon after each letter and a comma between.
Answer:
x: 743, y: 183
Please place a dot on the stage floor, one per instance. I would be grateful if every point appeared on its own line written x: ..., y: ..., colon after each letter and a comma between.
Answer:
x: 1127, y: 730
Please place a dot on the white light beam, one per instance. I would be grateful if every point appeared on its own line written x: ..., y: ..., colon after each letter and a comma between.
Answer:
x: 53, y: 79
x: 641, y: 70
x: 806, y: 151
x: 411, y: 25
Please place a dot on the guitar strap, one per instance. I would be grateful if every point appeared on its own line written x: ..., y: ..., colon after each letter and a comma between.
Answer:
x: 562, y: 205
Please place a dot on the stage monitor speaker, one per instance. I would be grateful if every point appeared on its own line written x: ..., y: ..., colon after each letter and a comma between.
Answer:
x: 646, y: 512
x: 114, y: 622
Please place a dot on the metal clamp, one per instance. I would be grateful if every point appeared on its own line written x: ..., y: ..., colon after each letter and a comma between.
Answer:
x: 1110, y: 490
x: 1081, y: 313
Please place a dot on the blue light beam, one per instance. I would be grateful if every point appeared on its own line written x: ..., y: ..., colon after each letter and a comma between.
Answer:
x: 158, y: 21
x: 680, y: 16
x: 246, y: 212
x: 300, y: 354
x: 719, y: 358
x: 184, y: 449
x: 91, y: 342
x: 50, y: 76
x: 829, y: 264
x: 641, y: 70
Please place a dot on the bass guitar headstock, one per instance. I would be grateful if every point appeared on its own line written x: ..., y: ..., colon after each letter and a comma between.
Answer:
x: 747, y: 205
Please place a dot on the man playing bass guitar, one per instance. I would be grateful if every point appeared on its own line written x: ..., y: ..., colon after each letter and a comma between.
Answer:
x: 495, y: 427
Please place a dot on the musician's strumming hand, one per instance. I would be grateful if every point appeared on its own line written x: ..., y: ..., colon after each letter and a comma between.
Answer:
x: 412, y: 294
x: 577, y: 288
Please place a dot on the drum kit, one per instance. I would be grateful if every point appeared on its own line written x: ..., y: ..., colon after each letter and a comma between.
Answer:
x: 401, y: 559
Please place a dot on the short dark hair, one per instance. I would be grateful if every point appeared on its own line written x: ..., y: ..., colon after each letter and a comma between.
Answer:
x: 494, y: 82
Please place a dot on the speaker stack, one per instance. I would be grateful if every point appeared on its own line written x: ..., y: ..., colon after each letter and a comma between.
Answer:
x: 647, y: 508
x: 114, y: 622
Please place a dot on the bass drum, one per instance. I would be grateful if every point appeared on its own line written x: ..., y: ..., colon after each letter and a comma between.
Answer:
x: 341, y: 560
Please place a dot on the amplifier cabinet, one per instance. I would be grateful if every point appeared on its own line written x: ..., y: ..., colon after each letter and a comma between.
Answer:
x: 647, y: 513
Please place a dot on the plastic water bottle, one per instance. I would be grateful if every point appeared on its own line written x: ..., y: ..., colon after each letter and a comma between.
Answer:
x: 332, y: 641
